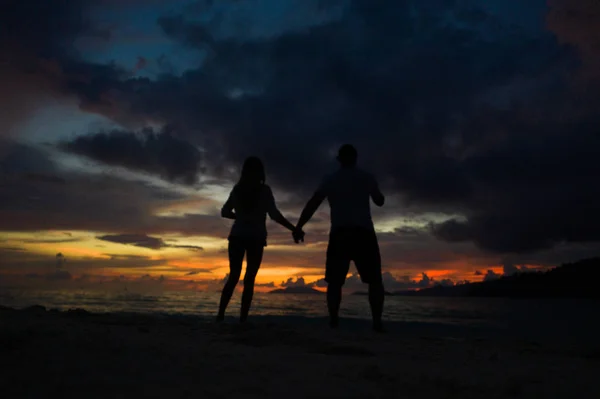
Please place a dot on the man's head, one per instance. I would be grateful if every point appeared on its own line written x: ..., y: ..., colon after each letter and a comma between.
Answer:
x: 347, y: 156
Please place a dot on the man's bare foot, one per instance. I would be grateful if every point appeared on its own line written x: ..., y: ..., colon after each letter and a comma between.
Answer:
x: 220, y: 318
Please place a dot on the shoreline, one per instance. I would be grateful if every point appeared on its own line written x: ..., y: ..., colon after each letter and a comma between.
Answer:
x: 92, y: 355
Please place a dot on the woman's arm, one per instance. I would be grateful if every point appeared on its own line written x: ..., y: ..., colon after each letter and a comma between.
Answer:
x: 279, y: 218
x: 227, y: 210
x: 275, y: 214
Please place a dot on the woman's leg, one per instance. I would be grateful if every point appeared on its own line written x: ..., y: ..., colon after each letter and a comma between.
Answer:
x: 236, y: 258
x: 254, y: 256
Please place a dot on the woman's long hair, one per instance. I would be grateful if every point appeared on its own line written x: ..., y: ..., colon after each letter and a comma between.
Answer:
x: 252, y: 180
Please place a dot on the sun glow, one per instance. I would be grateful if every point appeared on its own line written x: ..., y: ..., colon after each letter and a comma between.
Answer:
x: 191, y: 262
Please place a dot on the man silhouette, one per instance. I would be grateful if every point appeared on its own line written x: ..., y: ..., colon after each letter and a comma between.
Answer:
x: 352, y: 235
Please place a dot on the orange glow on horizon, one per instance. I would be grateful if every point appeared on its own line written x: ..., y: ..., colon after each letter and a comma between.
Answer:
x: 102, y: 260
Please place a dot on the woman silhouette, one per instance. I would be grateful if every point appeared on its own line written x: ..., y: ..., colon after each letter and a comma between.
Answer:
x: 248, y: 204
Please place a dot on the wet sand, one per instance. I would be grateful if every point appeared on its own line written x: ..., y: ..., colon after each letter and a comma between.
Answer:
x: 77, y: 354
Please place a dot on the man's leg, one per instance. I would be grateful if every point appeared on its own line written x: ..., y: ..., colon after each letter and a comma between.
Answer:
x: 376, y: 299
x: 336, y: 269
x: 368, y: 264
x: 334, y: 299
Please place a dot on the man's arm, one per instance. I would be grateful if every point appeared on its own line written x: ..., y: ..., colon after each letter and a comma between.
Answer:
x: 376, y: 194
x: 310, y: 208
x: 227, y: 210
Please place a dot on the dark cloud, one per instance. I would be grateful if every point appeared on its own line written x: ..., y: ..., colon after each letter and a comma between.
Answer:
x: 16, y: 249
x: 416, y: 249
x: 130, y: 257
x: 145, y: 241
x: 45, y: 32
x: 94, y: 202
x: 491, y: 275
x: 509, y: 269
x: 138, y: 240
x: 49, y: 240
x: 198, y: 271
x: 36, y: 177
x: 456, y: 110
x: 190, y: 247
x: 161, y: 153
x: 147, y: 277
x: 18, y: 160
x: 538, y: 192
x: 299, y: 282
x: 448, y: 119
x: 99, y: 202
x: 444, y: 69
x: 266, y: 285
x: 38, y: 43
x: 575, y: 23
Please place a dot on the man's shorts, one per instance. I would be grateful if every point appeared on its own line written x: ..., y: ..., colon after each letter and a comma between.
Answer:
x: 353, y: 244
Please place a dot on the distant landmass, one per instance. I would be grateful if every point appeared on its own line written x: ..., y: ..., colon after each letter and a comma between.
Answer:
x: 296, y: 290
x: 572, y: 280
x: 386, y: 293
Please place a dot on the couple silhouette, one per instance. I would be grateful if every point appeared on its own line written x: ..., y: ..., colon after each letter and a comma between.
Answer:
x: 352, y: 236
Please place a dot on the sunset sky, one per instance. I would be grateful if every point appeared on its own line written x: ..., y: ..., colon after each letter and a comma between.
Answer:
x: 123, y: 125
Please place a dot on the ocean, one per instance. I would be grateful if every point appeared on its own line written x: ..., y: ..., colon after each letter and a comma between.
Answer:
x: 536, y: 317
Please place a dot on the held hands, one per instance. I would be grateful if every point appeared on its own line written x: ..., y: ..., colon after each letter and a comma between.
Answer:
x: 298, y: 235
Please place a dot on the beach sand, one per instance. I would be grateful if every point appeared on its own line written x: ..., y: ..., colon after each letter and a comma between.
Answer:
x: 81, y: 355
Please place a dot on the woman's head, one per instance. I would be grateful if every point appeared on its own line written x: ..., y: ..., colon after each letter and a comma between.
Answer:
x: 253, y: 171
x: 252, y: 180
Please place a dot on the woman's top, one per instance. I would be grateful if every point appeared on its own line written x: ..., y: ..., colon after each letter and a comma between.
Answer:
x: 250, y: 213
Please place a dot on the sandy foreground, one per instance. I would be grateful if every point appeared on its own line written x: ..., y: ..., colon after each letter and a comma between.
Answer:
x: 81, y: 355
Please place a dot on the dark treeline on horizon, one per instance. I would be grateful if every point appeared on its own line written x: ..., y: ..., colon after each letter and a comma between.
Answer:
x: 570, y: 280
